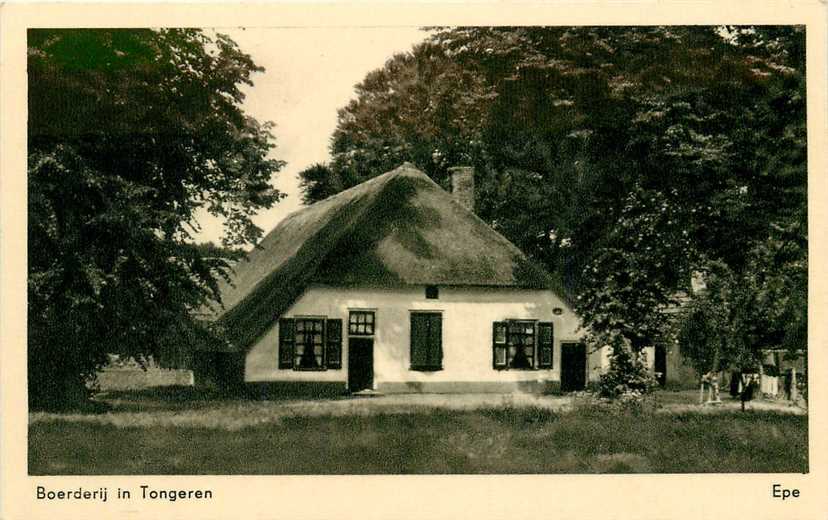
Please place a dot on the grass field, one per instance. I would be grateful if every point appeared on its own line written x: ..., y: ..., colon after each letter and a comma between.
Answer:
x: 188, y: 434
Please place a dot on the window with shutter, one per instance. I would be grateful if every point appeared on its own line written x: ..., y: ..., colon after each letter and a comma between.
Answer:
x: 513, y: 344
x: 546, y: 342
x: 334, y: 343
x: 286, y: 342
x: 426, y: 341
x: 310, y: 343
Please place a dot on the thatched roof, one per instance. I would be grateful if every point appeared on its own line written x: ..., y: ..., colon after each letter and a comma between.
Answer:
x: 394, y: 230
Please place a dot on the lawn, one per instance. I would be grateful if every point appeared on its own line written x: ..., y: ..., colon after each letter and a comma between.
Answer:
x: 140, y: 435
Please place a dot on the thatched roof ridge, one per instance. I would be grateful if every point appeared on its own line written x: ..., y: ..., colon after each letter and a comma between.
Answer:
x: 397, y: 229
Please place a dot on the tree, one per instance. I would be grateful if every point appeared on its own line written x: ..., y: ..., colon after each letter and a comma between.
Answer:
x: 210, y: 250
x: 622, y: 158
x: 562, y: 122
x: 130, y: 133
x: 725, y: 327
x: 319, y: 182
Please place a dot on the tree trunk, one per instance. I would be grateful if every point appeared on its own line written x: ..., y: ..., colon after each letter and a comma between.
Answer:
x: 714, y: 379
x: 715, y: 387
x: 747, y: 389
x: 793, y: 385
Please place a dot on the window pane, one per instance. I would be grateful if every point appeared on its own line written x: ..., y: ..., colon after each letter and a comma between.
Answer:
x: 519, y: 359
x: 318, y: 354
x: 361, y: 322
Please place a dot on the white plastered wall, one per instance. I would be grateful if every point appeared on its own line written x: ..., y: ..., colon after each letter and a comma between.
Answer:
x: 468, y: 314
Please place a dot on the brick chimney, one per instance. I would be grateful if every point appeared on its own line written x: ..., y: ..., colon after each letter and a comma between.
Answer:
x: 462, y: 185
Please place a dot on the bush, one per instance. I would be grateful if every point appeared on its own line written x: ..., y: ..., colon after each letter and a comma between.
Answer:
x: 627, y: 376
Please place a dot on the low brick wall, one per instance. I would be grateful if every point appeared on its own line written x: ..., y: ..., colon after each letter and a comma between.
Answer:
x: 134, y: 378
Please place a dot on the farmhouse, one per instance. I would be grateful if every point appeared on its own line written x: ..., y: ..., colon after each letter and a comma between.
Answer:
x: 396, y: 286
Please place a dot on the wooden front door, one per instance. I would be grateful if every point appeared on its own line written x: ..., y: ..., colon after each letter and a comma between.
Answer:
x: 360, y: 364
x: 573, y: 367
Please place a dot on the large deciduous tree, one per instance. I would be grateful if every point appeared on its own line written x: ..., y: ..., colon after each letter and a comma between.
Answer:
x: 623, y: 158
x: 131, y: 132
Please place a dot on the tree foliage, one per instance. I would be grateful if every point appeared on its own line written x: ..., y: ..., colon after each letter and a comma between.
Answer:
x: 130, y: 133
x: 623, y: 158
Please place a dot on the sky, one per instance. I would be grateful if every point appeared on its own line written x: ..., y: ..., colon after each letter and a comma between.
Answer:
x: 309, y: 74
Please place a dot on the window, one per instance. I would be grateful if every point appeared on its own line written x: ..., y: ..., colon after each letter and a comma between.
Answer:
x: 426, y: 341
x: 546, y: 337
x: 310, y: 343
x: 432, y: 292
x: 513, y: 344
x: 309, y: 352
x: 361, y: 323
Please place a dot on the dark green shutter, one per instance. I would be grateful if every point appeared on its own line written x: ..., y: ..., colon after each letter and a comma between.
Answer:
x: 546, y: 342
x: 286, y: 342
x: 426, y: 341
x: 499, y: 344
x: 419, y: 341
x: 334, y: 343
x: 435, y: 340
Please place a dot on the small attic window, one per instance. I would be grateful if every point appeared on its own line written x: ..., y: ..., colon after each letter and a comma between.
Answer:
x: 432, y: 293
